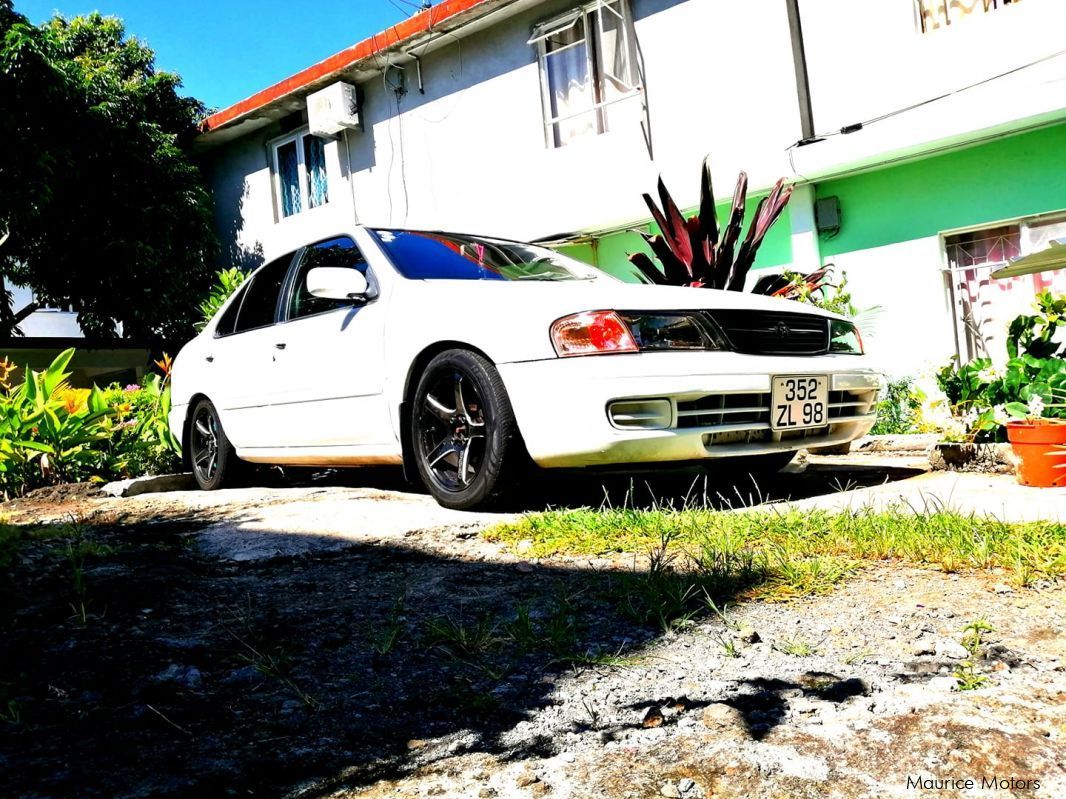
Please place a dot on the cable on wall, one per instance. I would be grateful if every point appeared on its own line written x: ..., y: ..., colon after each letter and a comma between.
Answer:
x: 857, y: 126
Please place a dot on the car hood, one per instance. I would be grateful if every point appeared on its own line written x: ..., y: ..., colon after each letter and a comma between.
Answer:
x: 572, y: 296
x: 510, y: 320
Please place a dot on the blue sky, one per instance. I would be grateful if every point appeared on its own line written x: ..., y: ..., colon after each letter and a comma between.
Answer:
x: 226, y: 50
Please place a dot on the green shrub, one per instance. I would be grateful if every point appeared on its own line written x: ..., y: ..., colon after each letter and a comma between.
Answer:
x: 51, y: 433
x: 1031, y: 385
x: 898, y: 409
x: 227, y: 281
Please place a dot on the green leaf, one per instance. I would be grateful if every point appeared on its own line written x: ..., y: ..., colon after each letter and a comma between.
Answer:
x: 55, y: 374
x: 97, y: 402
x: 1017, y: 410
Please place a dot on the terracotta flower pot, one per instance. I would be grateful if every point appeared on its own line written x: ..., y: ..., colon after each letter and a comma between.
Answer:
x: 1040, y: 447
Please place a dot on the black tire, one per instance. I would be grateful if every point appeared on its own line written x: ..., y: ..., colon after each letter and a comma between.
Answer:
x: 212, y: 458
x: 464, y: 451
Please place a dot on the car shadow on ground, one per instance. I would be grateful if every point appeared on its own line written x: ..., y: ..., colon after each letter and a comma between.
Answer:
x: 136, y: 667
x: 722, y: 487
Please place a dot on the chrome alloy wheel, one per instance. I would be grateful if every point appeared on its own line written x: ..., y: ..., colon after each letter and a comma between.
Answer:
x: 205, y: 444
x: 452, y: 432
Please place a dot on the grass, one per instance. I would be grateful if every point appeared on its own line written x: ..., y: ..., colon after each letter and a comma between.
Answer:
x: 698, y: 557
x: 384, y: 637
x: 465, y: 640
x: 776, y: 553
x: 797, y: 647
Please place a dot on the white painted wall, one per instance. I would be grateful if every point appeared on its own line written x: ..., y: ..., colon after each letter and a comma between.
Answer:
x: 869, y: 58
x: 912, y: 330
x: 470, y: 153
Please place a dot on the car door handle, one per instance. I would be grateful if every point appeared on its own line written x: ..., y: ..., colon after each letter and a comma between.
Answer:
x: 280, y: 345
x: 209, y: 358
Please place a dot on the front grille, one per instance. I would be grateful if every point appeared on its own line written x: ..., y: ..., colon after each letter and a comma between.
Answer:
x: 773, y: 332
x: 751, y: 410
x: 725, y: 409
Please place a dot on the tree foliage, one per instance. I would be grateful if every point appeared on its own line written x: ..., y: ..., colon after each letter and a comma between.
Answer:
x: 101, y: 204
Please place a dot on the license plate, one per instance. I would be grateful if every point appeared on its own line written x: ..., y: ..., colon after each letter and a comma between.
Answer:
x: 799, y: 401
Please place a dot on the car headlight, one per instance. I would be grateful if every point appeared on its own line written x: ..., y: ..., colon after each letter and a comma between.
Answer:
x: 670, y: 331
x: 844, y: 337
x: 606, y: 332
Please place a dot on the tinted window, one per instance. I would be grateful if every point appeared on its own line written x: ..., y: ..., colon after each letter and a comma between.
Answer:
x: 261, y: 297
x: 335, y: 252
x: 451, y: 256
x: 228, y: 320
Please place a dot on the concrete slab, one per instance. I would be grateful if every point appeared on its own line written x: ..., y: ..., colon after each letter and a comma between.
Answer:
x: 997, y: 495
x: 335, y: 519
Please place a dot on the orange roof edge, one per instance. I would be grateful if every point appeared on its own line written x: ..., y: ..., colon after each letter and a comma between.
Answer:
x: 421, y: 22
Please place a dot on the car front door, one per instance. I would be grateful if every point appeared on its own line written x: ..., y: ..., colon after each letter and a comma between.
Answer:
x: 242, y: 356
x: 330, y: 363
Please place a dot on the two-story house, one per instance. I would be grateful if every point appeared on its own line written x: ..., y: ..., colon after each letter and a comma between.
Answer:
x: 925, y: 137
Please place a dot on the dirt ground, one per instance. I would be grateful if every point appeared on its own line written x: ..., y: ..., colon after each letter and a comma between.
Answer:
x: 347, y: 638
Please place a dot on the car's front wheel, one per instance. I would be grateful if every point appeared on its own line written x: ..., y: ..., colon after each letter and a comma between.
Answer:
x: 463, y: 430
x: 211, y: 456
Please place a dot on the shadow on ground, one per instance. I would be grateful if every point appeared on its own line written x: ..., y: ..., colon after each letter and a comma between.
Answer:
x: 723, y: 487
x: 135, y: 667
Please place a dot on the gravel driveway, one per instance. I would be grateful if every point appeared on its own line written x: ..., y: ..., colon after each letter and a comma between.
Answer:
x: 333, y: 640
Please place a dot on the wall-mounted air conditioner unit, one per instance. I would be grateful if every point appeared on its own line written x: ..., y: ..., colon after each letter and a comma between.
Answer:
x: 333, y: 109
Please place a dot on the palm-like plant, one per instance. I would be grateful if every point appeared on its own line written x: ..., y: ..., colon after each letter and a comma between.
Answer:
x: 693, y: 252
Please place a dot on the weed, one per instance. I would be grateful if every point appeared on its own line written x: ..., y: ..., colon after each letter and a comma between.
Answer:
x: 797, y: 647
x: 858, y: 656
x: 257, y: 650
x: 77, y: 549
x: 461, y: 640
x: 973, y: 640
x: 10, y: 707
x: 592, y: 713
x: 728, y: 645
x: 383, y: 639
x: 521, y: 630
x: 596, y: 657
x: 721, y: 613
x: 973, y: 636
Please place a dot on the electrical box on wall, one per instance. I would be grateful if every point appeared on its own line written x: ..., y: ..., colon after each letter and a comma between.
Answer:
x: 333, y: 109
x: 827, y: 216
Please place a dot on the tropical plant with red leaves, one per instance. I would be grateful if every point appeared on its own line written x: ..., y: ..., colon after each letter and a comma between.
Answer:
x: 693, y: 252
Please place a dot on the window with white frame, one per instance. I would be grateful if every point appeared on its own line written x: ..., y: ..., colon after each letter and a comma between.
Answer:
x: 588, y: 63
x: 300, y: 176
x: 937, y: 14
x: 984, y: 306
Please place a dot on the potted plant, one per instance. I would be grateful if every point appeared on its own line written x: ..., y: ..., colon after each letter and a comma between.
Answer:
x: 1038, y: 441
x: 1023, y: 402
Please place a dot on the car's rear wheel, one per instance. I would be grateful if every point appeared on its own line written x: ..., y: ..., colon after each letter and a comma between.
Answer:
x: 213, y: 460
x: 463, y: 430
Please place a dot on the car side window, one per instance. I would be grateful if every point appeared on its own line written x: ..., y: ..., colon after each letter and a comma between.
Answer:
x: 341, y: 252
x: 260, y: 303
x: 228, y: 320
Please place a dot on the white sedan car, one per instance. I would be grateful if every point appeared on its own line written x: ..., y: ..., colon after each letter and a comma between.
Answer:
x: 464, y: 357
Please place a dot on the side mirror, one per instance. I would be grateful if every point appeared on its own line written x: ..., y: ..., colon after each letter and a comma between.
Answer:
x: 337, y: 283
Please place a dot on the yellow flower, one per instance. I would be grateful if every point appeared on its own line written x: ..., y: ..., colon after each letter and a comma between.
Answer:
x: 74, y: 399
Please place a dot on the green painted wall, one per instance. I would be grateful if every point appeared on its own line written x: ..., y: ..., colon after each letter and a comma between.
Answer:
x: 610, y: 252
x: 1018, y: 176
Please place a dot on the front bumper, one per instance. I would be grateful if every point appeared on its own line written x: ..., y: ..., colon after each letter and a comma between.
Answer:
x: 717, y: 405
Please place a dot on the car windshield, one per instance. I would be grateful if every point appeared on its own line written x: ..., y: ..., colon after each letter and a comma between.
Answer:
x: 420, y: 255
